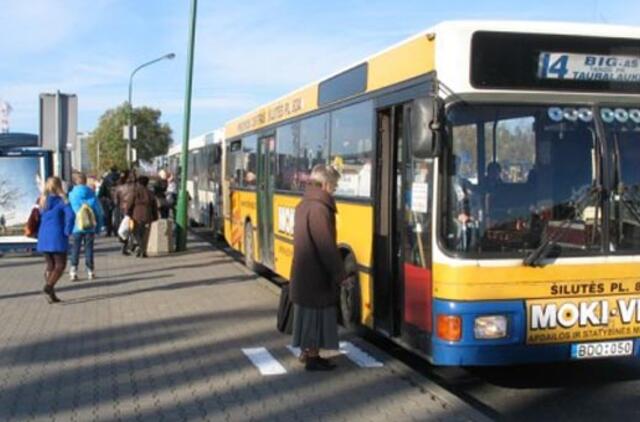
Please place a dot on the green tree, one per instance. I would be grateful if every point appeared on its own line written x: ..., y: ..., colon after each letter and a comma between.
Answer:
x: 153, y: 137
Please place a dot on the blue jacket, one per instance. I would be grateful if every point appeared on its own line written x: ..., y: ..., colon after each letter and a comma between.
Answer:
x: 56, y: 224
x: 81, y: 194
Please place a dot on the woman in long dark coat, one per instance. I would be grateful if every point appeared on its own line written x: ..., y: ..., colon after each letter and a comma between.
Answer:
x: 143, y: 209
x: 317, y: 270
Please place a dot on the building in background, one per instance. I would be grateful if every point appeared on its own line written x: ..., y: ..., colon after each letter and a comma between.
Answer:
x: 80, y: 159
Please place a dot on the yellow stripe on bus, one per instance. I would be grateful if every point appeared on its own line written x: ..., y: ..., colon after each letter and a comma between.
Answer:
x: 404, y: 62
x: 500, y: 283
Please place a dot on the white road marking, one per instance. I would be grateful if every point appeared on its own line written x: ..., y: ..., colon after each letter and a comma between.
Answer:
x: 262, y: 359
x: 295, y: 351
x: 358, y: 356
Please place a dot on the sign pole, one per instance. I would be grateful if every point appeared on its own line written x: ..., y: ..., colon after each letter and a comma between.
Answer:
x: 181, y: 218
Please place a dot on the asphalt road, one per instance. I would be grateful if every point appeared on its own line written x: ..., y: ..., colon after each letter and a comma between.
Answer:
x: 595, y: 390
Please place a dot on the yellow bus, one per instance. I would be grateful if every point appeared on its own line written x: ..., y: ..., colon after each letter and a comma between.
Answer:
x: 490, y: 194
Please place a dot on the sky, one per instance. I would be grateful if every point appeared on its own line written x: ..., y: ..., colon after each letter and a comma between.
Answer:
x: 248, y: 52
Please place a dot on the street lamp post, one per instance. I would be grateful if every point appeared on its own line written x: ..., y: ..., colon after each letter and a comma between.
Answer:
x: 181, y: 217
x: 169, y: 56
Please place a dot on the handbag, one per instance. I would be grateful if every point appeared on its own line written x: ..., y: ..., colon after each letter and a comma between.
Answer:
x: 284, y: 323
x: 33, y: 223
x: 125, y: 228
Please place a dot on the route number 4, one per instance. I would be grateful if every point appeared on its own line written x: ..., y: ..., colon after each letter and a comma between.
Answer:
x: 554, y: 67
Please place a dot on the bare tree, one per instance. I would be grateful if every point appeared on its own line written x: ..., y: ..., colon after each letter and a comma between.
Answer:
x: 7, y: 195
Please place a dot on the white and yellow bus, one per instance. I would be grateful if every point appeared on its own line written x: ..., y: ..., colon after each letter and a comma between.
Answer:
x: 204, y: 177
x: 490, y: 190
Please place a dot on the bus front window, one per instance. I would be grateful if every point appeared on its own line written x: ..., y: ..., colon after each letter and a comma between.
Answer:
x: 518, y: 176
x: 622, y: 127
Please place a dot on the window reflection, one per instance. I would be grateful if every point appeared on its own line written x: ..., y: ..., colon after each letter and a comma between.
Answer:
x: 352, y: 148
x: 622, y: 126
x: 314, y: 146
x: 286, y: 150
x: 250, y: 160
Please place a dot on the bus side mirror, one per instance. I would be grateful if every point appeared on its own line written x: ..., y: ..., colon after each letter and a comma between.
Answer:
x: 425, y: 127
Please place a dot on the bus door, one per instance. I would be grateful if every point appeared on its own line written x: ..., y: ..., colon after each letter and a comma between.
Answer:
x: 266, y: 184
x: 387, y: 292
x: 402, y: 247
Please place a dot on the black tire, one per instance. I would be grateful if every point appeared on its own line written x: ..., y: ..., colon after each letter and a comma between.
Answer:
x: 350, y: 298
x: 249, y: 248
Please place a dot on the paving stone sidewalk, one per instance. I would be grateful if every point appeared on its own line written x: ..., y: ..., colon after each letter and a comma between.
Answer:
x: 160, y: 339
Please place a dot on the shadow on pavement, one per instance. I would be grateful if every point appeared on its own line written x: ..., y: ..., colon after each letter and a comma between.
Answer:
x: 64, y: 286
x: 168, y: 287
x: 132, y: 375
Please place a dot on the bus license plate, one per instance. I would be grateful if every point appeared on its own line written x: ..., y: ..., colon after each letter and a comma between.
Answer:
x: 601, y: 349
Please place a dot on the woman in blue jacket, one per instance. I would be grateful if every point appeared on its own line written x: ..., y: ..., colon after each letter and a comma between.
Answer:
x: 56, y: 224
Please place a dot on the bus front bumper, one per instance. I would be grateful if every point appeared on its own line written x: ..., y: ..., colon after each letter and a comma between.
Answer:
x: 509, y: 350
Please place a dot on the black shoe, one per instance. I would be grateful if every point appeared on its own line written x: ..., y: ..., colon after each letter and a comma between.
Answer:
x: 318, y: 364
x: 50, y: 294
x: 125, y: 252
x: 326, y: 362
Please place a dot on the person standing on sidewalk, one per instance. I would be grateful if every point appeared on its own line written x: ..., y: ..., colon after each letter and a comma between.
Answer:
x: 56, y: 224
x: 106, y: 199
x: 89, y: 221
x: 317, y: 270
x: 123, y: 198
x: 143, y: 210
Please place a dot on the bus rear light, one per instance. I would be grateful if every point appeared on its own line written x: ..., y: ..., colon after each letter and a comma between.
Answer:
x: 449, y: 327
x: 490, y: 327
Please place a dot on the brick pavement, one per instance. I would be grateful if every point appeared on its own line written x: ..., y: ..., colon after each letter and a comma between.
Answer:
x: 160, y: 339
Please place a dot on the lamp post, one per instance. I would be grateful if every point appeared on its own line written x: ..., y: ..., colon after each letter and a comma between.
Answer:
x: 169, y: 56
x: 181, y: 217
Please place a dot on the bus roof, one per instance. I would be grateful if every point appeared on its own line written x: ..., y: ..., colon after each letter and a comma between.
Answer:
x: 410, y: 58
x: 208, y: 138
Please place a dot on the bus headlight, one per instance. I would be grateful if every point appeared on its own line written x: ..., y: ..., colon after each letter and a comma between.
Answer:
x: 490, y: 327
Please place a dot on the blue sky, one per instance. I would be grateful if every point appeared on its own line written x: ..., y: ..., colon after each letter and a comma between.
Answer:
x: 247, y: 52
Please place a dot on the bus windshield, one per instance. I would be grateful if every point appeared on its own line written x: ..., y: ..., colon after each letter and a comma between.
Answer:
x: 622, y: 129
x: 519, y: 176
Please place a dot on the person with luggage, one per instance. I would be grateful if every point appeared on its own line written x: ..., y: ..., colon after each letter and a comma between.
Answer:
x: 89, y: 220
x: 317, y: 270
x: 143, y: 210
x: 56, y: 221
x: 123, y: 197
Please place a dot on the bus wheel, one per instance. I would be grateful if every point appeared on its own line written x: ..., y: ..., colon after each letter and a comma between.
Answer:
x: 248, y: 247
x: 350, y: 296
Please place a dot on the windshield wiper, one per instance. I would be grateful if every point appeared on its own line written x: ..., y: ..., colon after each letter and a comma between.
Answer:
x: 630, y: 199
x: 534, y: 258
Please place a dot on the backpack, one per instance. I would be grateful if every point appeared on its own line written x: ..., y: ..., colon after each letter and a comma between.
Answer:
x: 85, y: 218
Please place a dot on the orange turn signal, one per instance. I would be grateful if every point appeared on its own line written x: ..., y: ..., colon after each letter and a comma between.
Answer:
x: 449, y: 327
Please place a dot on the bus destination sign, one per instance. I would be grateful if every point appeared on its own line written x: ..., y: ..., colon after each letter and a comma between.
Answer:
x: 588, y: 67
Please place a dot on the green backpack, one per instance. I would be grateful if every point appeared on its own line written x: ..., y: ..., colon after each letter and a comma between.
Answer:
x: 85, y: 218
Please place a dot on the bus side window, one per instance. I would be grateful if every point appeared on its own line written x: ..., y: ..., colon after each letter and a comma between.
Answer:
x: 234, y: 163
x: 352, y: 148
x: 249, y: 160
x: 286, y: 150
x: 314, y: 146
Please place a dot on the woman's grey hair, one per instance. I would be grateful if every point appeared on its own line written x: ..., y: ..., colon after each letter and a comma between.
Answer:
x: 321, y: 173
